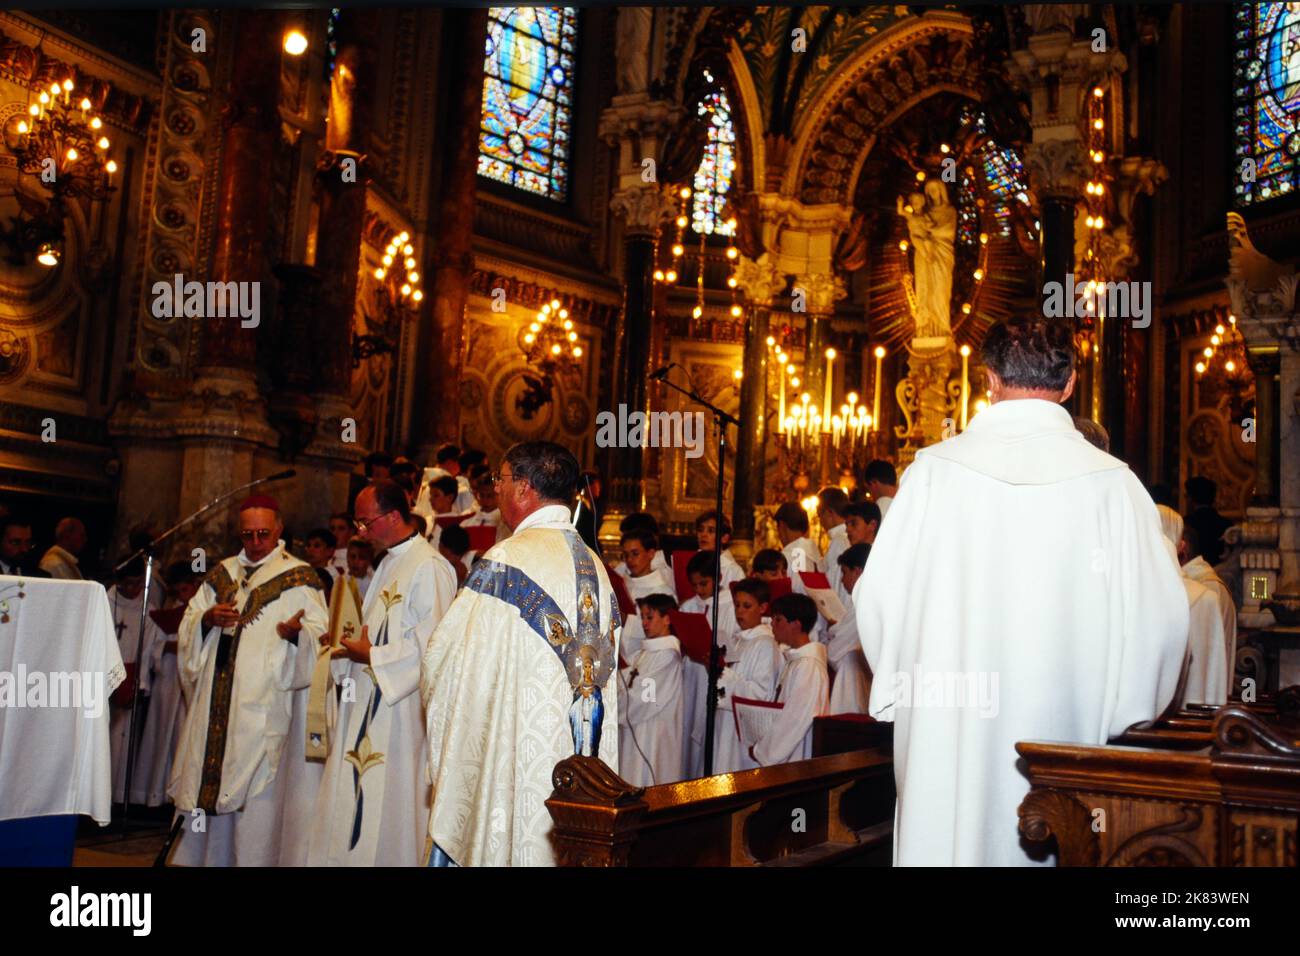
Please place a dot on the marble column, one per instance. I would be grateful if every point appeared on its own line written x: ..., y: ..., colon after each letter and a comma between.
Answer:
x: 823, y: 290
x: 442, y: 339
x: 761, y: 281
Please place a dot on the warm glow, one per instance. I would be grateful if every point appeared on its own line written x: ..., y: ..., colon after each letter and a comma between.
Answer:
x: 85, y: 103
x: 406, y: 289
x: 379, y: 273
x: 737, y: 374
x: 697, y: 311
x: 573, y: 336
x: 1200, y: 368
x: 413, y: 277
x: 979, y: 275
x: 731, y: 282
x: 965, y: 308
x: 685, y: 192
x: 678, y: 249
x: 770, y: 341
x: 944, y: 148
x: 920, y: 177
x: 43, y: 98
x: 34, y: 110
x: 528, y: 338
x: 830, y: 354
x: 794, y: 382
x: 96, y: 122
x: 1215, y: 340
x: 567, y: 324
x: 295, y: 44
x: 67, y: 86
x: 72, y: 155
x: 659, y: 275
x: 965, y: 351
x: 410, y: 262
x: 417, y: 295
x: 534, y: 327
x: 1098, y: 92
x: 980, y: 406
x: 902, y: 246
x: 388, y: 260
x: 103, y: 142
x: 48, y: 255
x: 681, y: 222
x: 1230, y: 365
x: 111, y: 166
x: 1219, y: 330
x: 880, y: 351
x: 1097, y: 124
x: 577, y: 351
x: 22, y: 127
x: 984, y: 238
x: 732, y: 252
x: 671, y: 275
x: 555, y: 349
x: 736, y: 311
x: 1209, y: 352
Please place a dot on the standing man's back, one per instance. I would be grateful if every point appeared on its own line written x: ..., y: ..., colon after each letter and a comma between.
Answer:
x: 1021, y: 591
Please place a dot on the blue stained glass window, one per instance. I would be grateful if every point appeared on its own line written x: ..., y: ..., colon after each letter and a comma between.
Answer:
x: 713, y: 177
x: 528, y: 98
x: 1266, y: 101
x: 1004, y: 182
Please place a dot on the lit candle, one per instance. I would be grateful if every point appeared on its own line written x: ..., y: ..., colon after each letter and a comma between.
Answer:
x: 875, y: 405
x: 780, y: 414
x: 826, y: 397
x: 965, y: 384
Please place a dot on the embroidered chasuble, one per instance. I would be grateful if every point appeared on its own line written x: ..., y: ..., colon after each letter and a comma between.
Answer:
x: 516, y: 678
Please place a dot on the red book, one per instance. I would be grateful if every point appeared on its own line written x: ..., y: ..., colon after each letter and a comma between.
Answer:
x: 125, y: 692
x: 626, y: 605
x: 168, y: 619
x: 694, y: 633
x: 481, y: 537
x: 446, y: 521
x: 679, y: 561
x: 815, y: 579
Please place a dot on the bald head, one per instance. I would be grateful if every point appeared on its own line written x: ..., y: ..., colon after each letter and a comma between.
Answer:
x: 70, y: 535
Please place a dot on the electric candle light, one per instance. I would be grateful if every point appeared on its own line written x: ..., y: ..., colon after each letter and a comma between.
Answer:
x: 965, y: 384
x: 826, y: 394
x: 875, y: 405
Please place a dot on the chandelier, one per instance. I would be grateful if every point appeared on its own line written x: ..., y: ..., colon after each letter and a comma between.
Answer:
x: 397, y: 300
x: 62, y: 145
x: 550, y: 345
x: 1226, y: 353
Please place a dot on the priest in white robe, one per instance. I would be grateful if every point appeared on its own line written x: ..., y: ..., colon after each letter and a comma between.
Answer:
x: 238, y: 644
x: 1209, y: 648
x: 520, y: 674
x: 1021, y: 591
x: 373, y: 805
x: 832, y: 512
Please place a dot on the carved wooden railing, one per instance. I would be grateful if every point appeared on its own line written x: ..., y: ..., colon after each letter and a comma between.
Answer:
x: 1233, y: 802
x: 828, y: 810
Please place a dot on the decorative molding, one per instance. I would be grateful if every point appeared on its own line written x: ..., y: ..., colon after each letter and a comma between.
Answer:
x: 1049, y: 813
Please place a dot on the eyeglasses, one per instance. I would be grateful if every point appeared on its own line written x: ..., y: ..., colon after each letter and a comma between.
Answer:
x: 497, y: 477
x: 364, y: 523
x: 261, y: 534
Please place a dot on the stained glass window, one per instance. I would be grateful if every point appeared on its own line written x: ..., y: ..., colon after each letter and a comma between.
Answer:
x: 332, y: 41
x: 1266, y: 100
x: 1004, y: 182
x: 528, y: 98
x: 713, y: 177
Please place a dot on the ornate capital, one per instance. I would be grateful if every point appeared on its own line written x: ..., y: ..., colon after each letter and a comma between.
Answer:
x: 1262, y: 292
x: 761, y: 280
x: 1057, y: 168
x: 642, y: 208
x: 823, y: 290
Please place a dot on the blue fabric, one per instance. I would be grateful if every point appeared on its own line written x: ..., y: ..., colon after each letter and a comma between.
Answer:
x: 440, y: 859
x: 38, y: 841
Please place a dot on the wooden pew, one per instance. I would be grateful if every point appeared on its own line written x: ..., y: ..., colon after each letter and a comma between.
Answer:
x: 834, y: 810
x: 1191, y: 727
x: 1233, y: 802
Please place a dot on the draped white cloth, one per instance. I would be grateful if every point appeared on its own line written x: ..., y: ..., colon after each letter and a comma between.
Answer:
x: 58, y: 643
x: 373, y: 804
x: 1021, y: 591
x: 244, y: 829
x: 753, y: 676
x: 803, y: 688
x: 498, y: 702
x: 650, y: 742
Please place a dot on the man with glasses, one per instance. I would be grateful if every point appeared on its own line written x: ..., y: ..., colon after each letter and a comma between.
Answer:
x: 516, y: 677
x: 248, y: 638
x: 373, y: 804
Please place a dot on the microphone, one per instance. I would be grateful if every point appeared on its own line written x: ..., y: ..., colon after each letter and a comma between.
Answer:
x: 281, y: 475
x: 659, y: 374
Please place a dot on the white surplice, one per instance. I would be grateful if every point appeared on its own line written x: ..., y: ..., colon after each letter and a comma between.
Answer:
x: 837, y: 545
x: 373, y: 804
x: 1200, y: 571
x: 245, y: 829
x: 498, y: 701
x: 695, y: 693
x: 851, y: 689
x: 1017, y: 553
x: 658, y: 580
x: 751, y: 675
x: 126, y: 622
x: 162, y: 728
x: 61, y: 564
x: 802, y: 554
x: 803, y: 688
x: 650, y: 720
x: 1210, y: 648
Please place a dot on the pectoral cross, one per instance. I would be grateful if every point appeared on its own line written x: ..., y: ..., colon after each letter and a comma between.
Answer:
x: 120, y: 626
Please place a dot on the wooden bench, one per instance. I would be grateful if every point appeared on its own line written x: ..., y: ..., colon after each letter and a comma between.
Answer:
x: 1234, y: 801
x: 832, y: 810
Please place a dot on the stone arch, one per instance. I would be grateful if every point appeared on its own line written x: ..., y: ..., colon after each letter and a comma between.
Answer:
x: 905, y: 64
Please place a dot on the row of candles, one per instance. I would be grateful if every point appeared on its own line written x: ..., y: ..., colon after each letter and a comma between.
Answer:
x: 47, y: 99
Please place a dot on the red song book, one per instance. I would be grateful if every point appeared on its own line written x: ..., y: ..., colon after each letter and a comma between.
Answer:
x: 626, y: 605
x: 680, y: 560
x: 168, y: 619
x: 694, y: 633
x: 125, y: 692
x: 815, y: 579
x: 481, y: 537
x: 446, y: 521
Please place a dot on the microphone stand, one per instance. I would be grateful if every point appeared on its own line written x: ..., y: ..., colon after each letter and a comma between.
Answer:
x: 721, y: 420
x: 147, y: 552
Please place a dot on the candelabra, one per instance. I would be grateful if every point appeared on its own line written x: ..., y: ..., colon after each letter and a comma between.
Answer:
x: 550, y: 344
x: 397, y: 299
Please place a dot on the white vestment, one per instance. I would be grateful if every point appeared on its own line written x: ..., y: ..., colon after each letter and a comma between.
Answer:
x: 1200, y: 571
x: 373, y: 803
x: 241, y: 823
x: 61, y: 564
x: 802, y: 554
x: 851, y: 689
x: 753, y: 676
x: 731, y: 569
x: 803, y: 688
x: 650, y: 720
x: 1022, y: 591
x: 499, y: 700
x: 838, y: 544
x: 695, y: 693
x: 654, y: 581
x: 883, y: 503
x: 126, y: 622
x: 163, y: 726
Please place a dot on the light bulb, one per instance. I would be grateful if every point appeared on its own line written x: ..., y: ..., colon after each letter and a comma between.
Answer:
x: 678, y: 249
x: 295, y: 44
x: 880, y: 351
x: 672, y: 275
x: 736, y: 311
x: 413, y: 277
x: 84, y: 104
x: 555, y: 349
x: 965, y: 350
x: 406, y: 289
x: 1230, y: 365
x: 577, y: 351
x: 111, y: 166
x: 72, y: 155
x: 681, y: 222
x: 96, y: 122
x: 103, y: 142
x: 388, y: 260
x: 830, y: 354
x: 379, y: 273
x: 67, y: 86
x: 22, y: 127
x: 697, y: 312
x: 417, y: 295
x: 731, y: 282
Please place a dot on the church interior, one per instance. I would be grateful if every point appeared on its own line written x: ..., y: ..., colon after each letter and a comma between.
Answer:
x: 342, y: 241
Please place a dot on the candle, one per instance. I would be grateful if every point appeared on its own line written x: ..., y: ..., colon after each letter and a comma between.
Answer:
x: 875, y: 405
x: 965, y: 384
x: 780, y: 415
x: 826, y: 397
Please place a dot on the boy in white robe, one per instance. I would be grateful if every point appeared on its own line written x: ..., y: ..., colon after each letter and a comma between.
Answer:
x: 695, y: 676
x: 851, y: 688
x: 643, y: 521
x: 881, y: 481
x: 254, y: 620
x: 801, y: 554
x: 1028, y: 566
x: 1210, y: 671
x: 643, y: 578
x: 650, y: 720
x: 1197, y: 569
x: 373, y: 804
x: 832, y: 512
x: 125, y: 599
x: 708, y: 537
x: 802, y: 687
x: 486, y: 511
x: 751, y: 674
x: 361, y: 564
x: 441, y: 500
x: 861, y: 522
x: 699, y: 571
x: 340, y: 524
